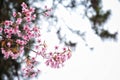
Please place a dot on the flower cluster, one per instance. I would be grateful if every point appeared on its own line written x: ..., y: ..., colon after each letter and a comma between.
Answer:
x: 15, y: 36
x: 56, y: 59
x: 29, y: 70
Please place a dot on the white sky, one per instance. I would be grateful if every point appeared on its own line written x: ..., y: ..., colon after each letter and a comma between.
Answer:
x: 103, y: 63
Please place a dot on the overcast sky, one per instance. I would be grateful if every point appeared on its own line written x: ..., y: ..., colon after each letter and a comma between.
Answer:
x: 102, y: 63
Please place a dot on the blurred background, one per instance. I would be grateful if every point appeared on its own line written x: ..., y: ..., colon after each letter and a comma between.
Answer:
x: 89, y: 27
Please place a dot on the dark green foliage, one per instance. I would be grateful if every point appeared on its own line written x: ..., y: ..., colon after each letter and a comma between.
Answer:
x: 8, y: 68
x: 8, y: 6
x: 99, y: 19
x: 105, y: 35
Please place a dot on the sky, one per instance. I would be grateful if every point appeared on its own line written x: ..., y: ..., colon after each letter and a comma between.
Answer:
x: 102, y: 63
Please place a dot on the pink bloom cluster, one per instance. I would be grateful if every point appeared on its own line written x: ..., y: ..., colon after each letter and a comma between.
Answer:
x: 56, y: 59
x: 10, y: 29
x: 17, y: 33
x: 29, y: 70
x: 47, y: 12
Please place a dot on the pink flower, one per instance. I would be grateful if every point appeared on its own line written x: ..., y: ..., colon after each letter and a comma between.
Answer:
x: 45, y: 6
x: 54, y: 62
x: 15, y: 56
x: 25, y: 37
x: 24, y: 5
x: 64, y: 49
x: 26, y: 28
x: 14, y: 14
x: 19, y: 20
x: 6, y: 30
x: 33, y: 17
x: 6, y: 55
x: 8, y: 44
x: 28, y: 14
x: 37, y: 47
x: 8, y: 36
x: 16, y: 30
x: 8, y: 23
x: 28, y: 19
x: 21, y: 51
x: 1, y: 29
x: 35, y: 29
x: 69, y: 55
x: 56, y: 47
x: 11, y: 31
x: 32, y: 10
x: 39, y: 40
x: 39, y: 53
x: 46, y: 14
x: 19, y: 34
x: 25, y: 10
x: 20, y: 42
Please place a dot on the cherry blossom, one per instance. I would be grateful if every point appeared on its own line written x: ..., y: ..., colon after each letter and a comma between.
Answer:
x: 8, y: 23
x: 15, y: 39
x: 1, y: 29
x: 18, y: 21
